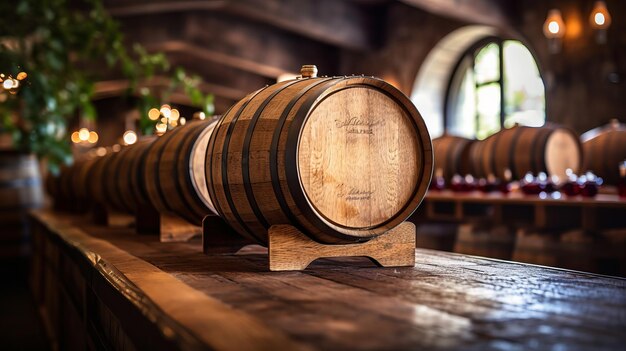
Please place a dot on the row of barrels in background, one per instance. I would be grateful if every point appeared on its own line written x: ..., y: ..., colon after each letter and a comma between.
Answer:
x: 313, y: 152
x: 551, y: 149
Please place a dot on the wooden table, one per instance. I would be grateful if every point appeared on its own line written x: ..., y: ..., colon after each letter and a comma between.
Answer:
x: 110, y: 288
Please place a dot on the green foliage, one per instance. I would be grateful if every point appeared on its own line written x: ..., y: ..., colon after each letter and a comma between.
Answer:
x: 61, y: 46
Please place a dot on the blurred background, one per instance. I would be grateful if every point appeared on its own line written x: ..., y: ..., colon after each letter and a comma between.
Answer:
x: 88, y: 76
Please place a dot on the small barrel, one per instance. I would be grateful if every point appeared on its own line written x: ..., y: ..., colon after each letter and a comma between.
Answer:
x: 344, y: 159
x: 174, y: 171
x: 551, y: 149
x: 20, y: 191
x: 604, y: 148
x: 452, y: 155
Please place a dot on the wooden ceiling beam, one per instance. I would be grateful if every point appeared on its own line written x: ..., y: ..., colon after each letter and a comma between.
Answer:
x: 216, y: 57
x: 223, y: 40
x: 487, y: 12
x: 339, y: 23
x: 224, y: 96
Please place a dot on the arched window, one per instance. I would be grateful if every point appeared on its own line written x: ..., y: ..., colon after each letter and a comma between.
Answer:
x: 488, y: 71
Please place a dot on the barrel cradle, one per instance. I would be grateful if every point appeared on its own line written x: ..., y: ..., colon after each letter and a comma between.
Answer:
x: 344, y: 159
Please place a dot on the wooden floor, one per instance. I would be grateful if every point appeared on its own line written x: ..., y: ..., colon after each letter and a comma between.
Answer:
x: 446, y: 302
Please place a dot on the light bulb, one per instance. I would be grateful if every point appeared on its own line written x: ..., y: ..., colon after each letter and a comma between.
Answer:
x: 83, y: 134
x: 93, y: 137
x: 130, y: 137
x: 154, y: 114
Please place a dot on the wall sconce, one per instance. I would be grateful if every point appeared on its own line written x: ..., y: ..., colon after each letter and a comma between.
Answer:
x: 600, y: 20
x: 554, y: 30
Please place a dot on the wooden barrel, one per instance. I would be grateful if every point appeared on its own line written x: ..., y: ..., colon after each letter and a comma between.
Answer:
x: 131, y: 170
x: 452, y: 155
x: 96, y: 179
x: 343, y: 158
x: 20, y: 191
x: 111, y: 177
x: 551, y: 149
x: 174, y: 171
x: 82, y: 180
x: 604, y: 148
x: 476, y: 157
x: 72, y: 194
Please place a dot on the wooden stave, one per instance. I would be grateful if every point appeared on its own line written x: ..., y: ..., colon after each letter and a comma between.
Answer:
x: 175, y: 165
x: 151, y: 176
x: 96, y: 180
x: 603, y: 152
x: 137, y: 184
x: 123, y: 182
x: 284, y: 209
x: 195, y: 160
x: 520, y: 149
x: 110, y: 179
x: 454, y: 153
x: 81, y: 177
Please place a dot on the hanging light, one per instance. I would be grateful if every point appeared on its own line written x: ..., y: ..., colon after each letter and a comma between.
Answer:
x: 600, y: 20
x: 554, y: 30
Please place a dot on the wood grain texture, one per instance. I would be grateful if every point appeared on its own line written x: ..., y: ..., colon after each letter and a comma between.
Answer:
x: 289, y: 249
x: 344, y: 159
x: 172, y: 172
x: 130, y: 180
x: 159, y: 298
x: 551, y: 149
x: 445, y: 302
x: 452, y: 155
x: 604, y: 151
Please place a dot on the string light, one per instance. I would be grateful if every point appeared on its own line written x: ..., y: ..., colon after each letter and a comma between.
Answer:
x: 93, y: 137
x: 84, y: 137
x: 11, y: 84
x: 83, y: 134
x: 130, y: 137
x: 166, y: 117
x: 154, y: 114
x: 101, y: 151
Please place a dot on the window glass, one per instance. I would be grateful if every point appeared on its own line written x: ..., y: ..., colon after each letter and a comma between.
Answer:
x: 524, y: 91
x: 487, y: 64
x: 474, y: 100
x: 488, y: 109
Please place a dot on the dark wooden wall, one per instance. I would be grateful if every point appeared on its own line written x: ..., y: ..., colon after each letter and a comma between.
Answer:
x: 239, y: 46
x: 586, y: 81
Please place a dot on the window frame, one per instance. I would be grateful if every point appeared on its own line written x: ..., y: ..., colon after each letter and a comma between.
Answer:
x: 471, y: 54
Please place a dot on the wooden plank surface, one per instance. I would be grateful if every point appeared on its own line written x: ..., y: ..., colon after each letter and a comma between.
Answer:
x: 446, y: 302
